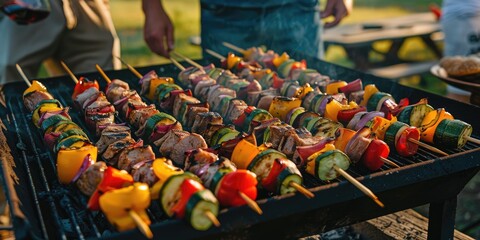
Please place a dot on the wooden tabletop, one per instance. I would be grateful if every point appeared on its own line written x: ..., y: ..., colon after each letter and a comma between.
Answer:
x: 419, y: 24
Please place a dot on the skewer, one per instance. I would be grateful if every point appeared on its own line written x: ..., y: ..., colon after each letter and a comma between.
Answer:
x: 133, y: 70
x: 233, y: 47
x: 360, y: 186
x: 144, y: 228
x: 424, y: 145
x: 212, y: 218
x: 474, y: 140
x: 67, y: 69
x: 188, y: 60
x: 252, y: 204
x: 301, y: 189
x: 177, y: 64
x: 100, y: 70
x: 20, y: 71
x: 215, y: 54
x: 389, y: 162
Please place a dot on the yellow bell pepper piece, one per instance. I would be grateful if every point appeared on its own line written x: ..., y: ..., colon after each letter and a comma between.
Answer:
x: 311, y: 160
x: 36, y: 86
x: 244, y: 153
x: 369, y: 90
x: 117, y: 203
x: 69, y: 161
x: 380, y: 126
x: 280, y: 106
x: 430, y: 123
x: 303, y: 91
x: 163, y: 171
x: 342, y: 140
x: 281, y: 59
x: 333, y: 87
x: 154, y: 83
x: 232, y: 60
x: 259, y: 74
x: 334, y: 106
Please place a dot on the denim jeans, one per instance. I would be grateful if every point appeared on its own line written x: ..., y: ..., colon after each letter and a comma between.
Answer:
x: 291, y: 28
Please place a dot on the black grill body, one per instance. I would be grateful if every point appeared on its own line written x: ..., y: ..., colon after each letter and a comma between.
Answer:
x: 58, y: 212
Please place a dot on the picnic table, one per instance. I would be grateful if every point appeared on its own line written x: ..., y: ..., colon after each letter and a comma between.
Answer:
x: 358, y: 39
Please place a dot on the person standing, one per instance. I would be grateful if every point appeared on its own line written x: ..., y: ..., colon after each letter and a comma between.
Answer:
x: 78, y: 32
x: 281, y: 25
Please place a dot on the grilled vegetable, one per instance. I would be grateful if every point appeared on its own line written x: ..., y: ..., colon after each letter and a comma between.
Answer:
x: 117, y: 203
x: 263, y: 161
x: 229, y: 186
x: 397, y: 136
x: 44, y: 106
x: 201, y: 202
x: 376, y: 150
x: 280, y: 106
x: 282, y: 173
x: 452, y: 133
x: 82, y: 85
x: 413, y: 115
x: 321, y: 163
x: 430, y: 123
x: 334, y: 87
x: 112, y: 179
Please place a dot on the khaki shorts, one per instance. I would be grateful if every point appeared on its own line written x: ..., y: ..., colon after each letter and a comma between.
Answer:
x: 86, y: 39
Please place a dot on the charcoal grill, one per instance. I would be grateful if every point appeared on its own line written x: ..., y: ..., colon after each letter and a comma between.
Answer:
x: 58, y: 212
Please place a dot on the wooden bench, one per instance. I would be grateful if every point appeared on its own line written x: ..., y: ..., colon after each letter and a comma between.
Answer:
x: 402, y: 70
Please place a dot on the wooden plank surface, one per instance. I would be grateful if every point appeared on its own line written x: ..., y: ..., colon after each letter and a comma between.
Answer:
x: 406, y: 224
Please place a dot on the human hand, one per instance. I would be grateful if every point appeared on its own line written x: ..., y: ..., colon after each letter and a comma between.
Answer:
x: 335, y: 8
x: 158, y: 29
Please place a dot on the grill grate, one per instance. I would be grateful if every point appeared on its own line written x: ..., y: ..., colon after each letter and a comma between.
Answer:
x: 59, y: 211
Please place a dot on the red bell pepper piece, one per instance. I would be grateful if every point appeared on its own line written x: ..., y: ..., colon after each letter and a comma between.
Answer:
x: 344, y: 116
x: 82, y: 85
x: 187, y: 189
x: 372, y: 156
x: 270, y: 182
x: 233, y: 182
x: 403, y: 146
x: 112, y: 179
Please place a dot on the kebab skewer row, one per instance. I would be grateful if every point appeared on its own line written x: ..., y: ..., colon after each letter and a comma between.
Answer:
x: 267, y: 154
x: 201, y: 213
x: 225, y: 189
x: 292, y: 185
x: 284, y: 105
x: 451, y: 133
x: 70, y: 146
x: 346, y: 112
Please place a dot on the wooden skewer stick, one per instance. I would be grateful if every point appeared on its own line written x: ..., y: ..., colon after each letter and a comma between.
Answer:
x: 176, y: 63
x: 215, y: 54
x: 212, y: 218
x: 389, y: 162
x: 193, y: 63
x: 20, y: 71
x: 431, y: 148
x: 252, y: 204
x: 360, y: 186
x: 67, y: 69
x: 100, y: 70
x: 233, y: 47
x: 144, y: 228
x: 301, y: 189
x: 132, y: 69
x: 474, y: 140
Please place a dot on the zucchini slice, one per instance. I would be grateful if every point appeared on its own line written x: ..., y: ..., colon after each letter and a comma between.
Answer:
x: 263, y: 162
x: 199, y: 203
x: 324, y: 164
x: 168, y: 192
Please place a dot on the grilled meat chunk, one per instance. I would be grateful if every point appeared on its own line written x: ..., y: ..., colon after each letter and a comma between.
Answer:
x: 88, y: 181
x: 193, y: 141
x: 85, y: 95
x: 168, y: 142
x: 202, y: 120
x: 32, y: 99
x: 112, y: 134
x: 143, y: 172
x: 110, y: 155
x: 133, y: 155
x: 137, y: 117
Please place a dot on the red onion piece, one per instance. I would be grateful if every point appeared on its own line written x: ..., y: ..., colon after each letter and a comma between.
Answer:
x: 306, y: 151
x: 366, y: 118
x: 87, y: 161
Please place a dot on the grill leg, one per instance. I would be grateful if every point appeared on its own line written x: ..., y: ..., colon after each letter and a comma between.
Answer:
x: 442, y: 219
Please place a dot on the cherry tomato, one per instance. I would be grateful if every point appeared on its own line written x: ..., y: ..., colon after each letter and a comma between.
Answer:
x: 233, y: 182
x: 372, y: 156
x: 403, y: 146
x: 82, y: 85
x: 187, y: 189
